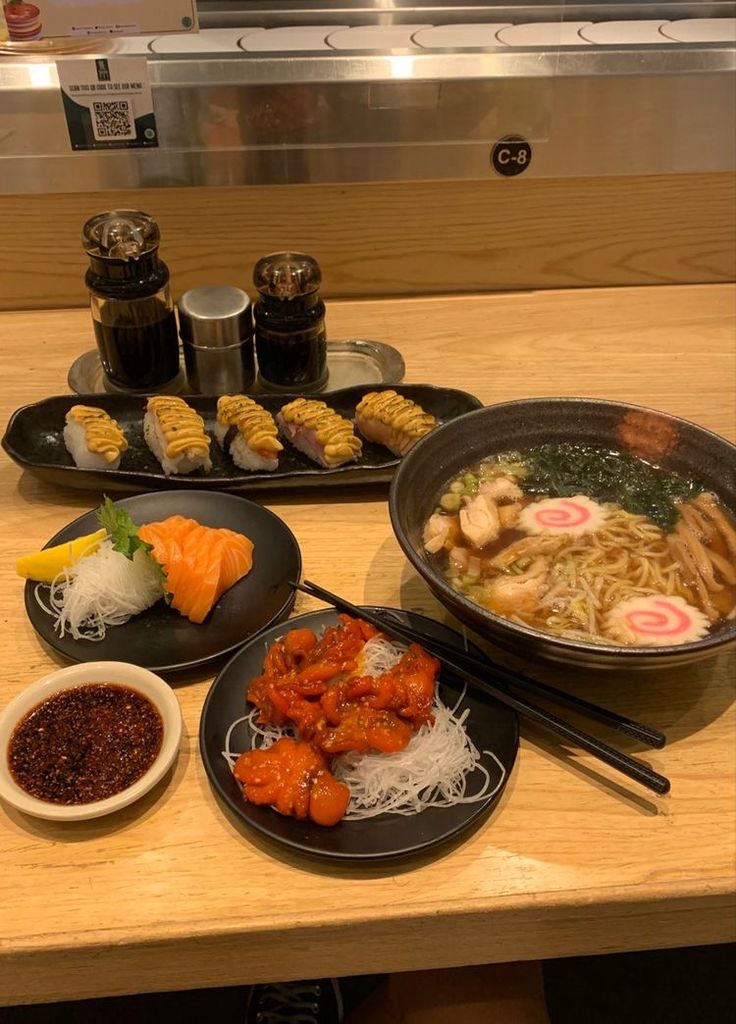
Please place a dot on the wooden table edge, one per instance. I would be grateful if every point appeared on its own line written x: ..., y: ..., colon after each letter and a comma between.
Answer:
x: 529, y: 929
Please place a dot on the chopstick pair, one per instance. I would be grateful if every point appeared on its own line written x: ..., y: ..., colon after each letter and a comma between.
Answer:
x: 468, y: 668
x: 635, y: 730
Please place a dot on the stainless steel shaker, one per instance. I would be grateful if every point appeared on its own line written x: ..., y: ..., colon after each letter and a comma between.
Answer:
x: 216, y: 330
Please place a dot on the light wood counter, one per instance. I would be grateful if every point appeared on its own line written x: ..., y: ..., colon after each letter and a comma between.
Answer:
x: 170, y: 893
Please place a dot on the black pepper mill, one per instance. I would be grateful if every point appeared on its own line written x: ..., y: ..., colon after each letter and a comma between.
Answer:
x: 289, y: 317
x: 131, y: 305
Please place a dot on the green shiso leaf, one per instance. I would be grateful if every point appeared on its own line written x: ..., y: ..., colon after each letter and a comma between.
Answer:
x: 123, y: 533
x: 121, y: 529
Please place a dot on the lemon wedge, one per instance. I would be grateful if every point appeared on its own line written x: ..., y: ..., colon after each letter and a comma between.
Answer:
x: 46, y: 565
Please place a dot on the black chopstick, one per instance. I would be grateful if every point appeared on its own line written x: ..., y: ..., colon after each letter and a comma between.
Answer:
x: 644, y: 733
x: 628, y: 766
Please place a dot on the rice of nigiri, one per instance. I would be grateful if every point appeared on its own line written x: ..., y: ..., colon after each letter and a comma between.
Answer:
x: 244, y: 456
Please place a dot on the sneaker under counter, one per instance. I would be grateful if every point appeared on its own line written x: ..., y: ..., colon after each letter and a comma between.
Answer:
x: 295, y: 1002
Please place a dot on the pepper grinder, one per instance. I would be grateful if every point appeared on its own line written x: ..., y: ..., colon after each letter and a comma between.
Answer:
x: 289, y: 316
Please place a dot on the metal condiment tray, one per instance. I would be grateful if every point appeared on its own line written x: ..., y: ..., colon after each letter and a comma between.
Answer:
x: 349, y: 361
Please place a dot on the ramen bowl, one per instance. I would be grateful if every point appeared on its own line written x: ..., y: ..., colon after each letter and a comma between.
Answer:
x: 673, y: 444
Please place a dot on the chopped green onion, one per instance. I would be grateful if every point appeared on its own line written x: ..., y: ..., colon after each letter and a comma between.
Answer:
x: 450, y: 502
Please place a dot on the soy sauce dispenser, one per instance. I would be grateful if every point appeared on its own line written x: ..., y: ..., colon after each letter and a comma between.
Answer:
x: 132, y: 311
x: 289, y: 316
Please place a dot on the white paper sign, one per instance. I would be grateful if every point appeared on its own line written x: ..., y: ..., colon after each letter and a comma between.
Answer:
x: 107, y: 102
x: 53, y: 19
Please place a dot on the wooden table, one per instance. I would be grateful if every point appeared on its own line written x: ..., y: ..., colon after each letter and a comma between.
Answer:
x: 172, y: 894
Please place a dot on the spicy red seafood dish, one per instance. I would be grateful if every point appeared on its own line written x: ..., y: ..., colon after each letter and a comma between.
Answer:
x: 336, y: 702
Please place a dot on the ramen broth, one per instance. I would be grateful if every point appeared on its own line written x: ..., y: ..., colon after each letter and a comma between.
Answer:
x: 587, y: 544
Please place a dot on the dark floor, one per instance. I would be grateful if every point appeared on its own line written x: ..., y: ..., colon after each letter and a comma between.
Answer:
x: 200, y: 1006
x: 678, y: 986
x: 178, y: 1007
x: 682, y: 986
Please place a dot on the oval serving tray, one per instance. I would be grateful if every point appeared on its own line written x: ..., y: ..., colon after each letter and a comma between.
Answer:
x: 34, y: 440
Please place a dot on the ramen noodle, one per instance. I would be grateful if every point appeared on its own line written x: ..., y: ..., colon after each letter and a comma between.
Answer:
x: 587, y: 544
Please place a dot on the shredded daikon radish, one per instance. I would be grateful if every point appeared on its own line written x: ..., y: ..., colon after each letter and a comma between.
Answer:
x: 100, y: 590
x: 434, y: 770
x: 379, y: 655
x: 260, y: 737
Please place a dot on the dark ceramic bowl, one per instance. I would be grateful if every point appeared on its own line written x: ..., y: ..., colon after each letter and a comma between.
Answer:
x: 665, y: 440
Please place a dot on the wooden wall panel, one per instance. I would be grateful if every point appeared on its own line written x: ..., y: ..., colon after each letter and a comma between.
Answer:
x: 397, y: 239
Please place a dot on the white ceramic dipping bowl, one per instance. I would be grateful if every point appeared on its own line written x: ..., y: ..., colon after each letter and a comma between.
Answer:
x: 117, y: 672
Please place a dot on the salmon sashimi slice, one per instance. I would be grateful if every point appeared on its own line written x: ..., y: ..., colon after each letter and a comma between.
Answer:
x: 166, y: 532
x: 237, y: 557
x: 200, y: 588
x: 200, y: 562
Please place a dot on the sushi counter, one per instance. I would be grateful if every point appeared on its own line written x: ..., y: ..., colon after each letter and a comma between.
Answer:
x: 173, y: 891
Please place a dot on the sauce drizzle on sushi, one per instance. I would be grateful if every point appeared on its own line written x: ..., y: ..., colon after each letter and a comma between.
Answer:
x: 175, y: 434
x: 392, y: 420
x: 320, y: 432
x: 93, y: 438
x: 248, y: 432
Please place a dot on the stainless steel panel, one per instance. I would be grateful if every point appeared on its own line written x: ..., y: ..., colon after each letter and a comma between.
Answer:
x: 269, y: 13
x: 228, y: 118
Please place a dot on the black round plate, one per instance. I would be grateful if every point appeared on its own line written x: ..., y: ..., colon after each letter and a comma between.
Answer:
x: 161, y: 639
x: 491, y: 725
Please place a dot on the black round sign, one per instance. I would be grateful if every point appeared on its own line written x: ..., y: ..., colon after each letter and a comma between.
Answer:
x: 511, y: 155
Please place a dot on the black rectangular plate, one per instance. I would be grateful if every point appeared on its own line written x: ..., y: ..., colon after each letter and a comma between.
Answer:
x: 34, y: 440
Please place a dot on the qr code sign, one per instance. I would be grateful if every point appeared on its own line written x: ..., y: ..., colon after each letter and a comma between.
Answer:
x: 112, y: 119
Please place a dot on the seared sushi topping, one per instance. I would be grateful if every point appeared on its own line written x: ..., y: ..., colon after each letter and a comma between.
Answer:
x: 392, y: 420
x: 182, y: 427
x: 102, y: 433
x: 332, y: 432
x: 255, y: 424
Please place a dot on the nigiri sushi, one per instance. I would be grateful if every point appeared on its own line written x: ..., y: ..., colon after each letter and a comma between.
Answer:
x: 319, y: 432
x: 392, y: 420
x: 200, y: 562
x: 175, y: 434
x: 248, y: 432
x: 93, y: 439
